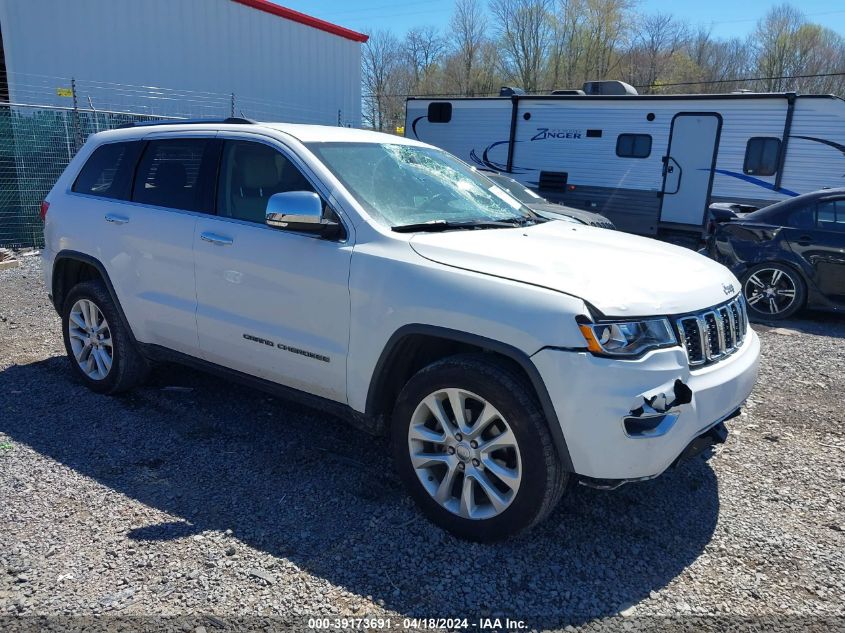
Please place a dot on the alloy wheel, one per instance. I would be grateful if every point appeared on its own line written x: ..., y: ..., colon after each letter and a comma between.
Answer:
x: 90, y: 339
x: 770, y: 291
x: 465, y: 454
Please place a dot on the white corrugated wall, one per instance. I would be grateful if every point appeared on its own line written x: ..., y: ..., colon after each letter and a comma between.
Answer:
x: 196, y: 51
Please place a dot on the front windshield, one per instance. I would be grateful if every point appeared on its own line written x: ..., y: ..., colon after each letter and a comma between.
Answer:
x: 521, y: 193
x: 405, y: 184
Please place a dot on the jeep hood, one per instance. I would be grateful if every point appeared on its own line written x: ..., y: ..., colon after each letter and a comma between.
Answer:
x: 618, y: 273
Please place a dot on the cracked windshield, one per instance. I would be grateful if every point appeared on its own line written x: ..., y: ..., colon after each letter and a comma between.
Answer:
x: 403, y: 185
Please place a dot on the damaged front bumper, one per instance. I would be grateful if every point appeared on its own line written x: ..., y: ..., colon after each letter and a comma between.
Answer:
x: 628, y: 420
x: 717, y: 434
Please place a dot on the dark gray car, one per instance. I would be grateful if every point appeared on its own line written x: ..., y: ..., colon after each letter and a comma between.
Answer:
x: 543, y: 207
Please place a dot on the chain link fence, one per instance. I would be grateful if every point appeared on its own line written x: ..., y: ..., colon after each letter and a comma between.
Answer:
x: 36, y: 144
x: 50, y: 118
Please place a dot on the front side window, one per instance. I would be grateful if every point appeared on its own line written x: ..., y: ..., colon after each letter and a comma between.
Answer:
x: 249, y: 174
x: 108, y: 171
x: 169, y: 174
x: 633, y: 145
x: 405, y: 184
x: 761, y: 156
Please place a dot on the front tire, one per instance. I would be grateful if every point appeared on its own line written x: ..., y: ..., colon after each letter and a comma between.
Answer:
x: 98, y: 344
x: 472, y: 446
x: 773, y: 291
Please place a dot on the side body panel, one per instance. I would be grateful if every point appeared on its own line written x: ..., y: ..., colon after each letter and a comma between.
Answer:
x: 477, y: 132
x: 815, y: 155
x: 391, y: 286
x: 146, y: 251
x: 274, y: 305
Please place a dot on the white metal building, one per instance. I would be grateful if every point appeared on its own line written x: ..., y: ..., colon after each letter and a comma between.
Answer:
x: 181, y: 57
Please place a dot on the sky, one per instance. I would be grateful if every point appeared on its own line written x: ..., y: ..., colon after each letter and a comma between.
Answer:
x: 728, y: 18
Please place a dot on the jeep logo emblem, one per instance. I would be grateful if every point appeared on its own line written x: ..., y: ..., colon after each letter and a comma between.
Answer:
x: 728, y: 288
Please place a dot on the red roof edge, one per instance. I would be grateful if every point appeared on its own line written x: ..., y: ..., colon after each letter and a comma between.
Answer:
x: 308, y: 20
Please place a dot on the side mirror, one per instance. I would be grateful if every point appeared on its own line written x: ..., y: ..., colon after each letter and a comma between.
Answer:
x: 295, y: 210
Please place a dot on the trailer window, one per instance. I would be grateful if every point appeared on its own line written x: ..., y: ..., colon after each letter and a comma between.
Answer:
x: 440, y: 112
x: 633, y: 145
x: 762, y: 155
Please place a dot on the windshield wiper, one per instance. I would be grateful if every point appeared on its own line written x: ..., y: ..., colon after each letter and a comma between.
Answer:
x: 435, y: 226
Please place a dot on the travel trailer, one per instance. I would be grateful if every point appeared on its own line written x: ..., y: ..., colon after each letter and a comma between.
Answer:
x: 650, y: 163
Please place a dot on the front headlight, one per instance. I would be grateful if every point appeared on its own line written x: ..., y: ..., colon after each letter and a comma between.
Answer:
x: 628, y: 338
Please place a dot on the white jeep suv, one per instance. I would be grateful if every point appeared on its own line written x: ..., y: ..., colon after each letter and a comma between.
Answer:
x: 384, y: 279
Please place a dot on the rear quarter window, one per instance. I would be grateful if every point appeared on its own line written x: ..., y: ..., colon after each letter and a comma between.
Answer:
x: 802, y: 217
x: 108, y: 171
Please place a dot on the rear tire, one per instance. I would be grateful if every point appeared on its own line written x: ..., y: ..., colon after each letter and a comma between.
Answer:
x: 488, y: 475
x: 98, y: 344
x: 773, y: 291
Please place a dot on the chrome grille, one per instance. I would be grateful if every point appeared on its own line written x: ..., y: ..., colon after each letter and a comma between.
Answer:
x: 712, y: 334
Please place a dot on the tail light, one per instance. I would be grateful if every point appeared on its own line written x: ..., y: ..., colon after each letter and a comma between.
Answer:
x: 45, y: 206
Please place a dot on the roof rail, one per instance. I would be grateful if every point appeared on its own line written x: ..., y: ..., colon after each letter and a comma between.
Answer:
x: 232, y: 120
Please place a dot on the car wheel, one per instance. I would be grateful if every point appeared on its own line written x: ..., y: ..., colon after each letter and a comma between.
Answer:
x: 98, y: 344
x: 473, y: 448
x: 773, y: 291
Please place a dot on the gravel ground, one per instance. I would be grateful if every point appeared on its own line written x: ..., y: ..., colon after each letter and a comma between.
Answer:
x: 196, y: 497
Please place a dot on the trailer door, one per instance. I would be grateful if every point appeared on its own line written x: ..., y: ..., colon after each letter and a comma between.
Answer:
x: 688, y: 167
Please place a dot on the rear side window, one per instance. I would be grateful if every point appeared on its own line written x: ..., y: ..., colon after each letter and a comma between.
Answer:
x: 108, y: 171
x: 633, y: 145
x: 762, y: 155
x: 831, y: 215
x: 171, y: 174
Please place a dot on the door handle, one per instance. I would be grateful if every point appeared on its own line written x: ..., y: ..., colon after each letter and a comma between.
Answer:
x: 670, y: 169
x: 116, y: 219
x: 805, y: 240
x: 213, y: 238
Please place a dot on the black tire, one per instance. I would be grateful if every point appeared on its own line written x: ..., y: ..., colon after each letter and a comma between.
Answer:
x: 759, y: 306
x: 129, y: 368
x: 543, y: 477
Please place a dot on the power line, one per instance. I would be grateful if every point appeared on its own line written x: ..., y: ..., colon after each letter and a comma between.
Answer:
x: 679, y: 83
x: 727, y: 81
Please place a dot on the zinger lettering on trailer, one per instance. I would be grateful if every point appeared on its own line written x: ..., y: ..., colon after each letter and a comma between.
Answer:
x: 287, y: 348
x: 544, y: 133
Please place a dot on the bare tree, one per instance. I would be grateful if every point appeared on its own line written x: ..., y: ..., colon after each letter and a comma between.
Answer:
x: 423, y: 49
x: 565, y: 53
x: 774, y: 44
x: 542, y: 44
x: 525, y: 33
x: 381, y: 65
x: 468, y: 33
x: 652, y: 54
x: 589, y: 36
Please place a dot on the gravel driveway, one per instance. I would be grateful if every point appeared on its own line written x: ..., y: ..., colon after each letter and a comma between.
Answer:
x: 195, y: 496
